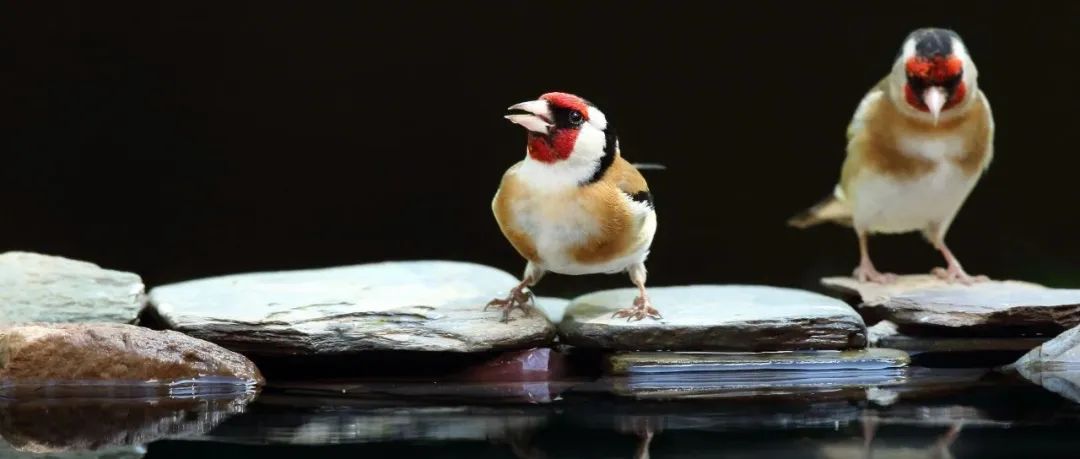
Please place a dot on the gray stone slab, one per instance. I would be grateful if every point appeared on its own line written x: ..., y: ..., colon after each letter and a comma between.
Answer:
x: 715, y: 317
x: 43, y: 288
x: 392, y: 306
x: 925, y: 304
x: 808, y: 361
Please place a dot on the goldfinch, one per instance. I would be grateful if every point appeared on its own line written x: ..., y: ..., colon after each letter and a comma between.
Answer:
x: 574, y: 205
x: 918, y: 143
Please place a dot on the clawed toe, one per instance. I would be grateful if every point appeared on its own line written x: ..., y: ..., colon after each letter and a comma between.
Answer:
x: 871, y: 275
x: 640, y: 310
x: 519, y: 299
x: 958, y: 276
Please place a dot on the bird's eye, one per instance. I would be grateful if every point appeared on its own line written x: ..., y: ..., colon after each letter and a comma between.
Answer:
x: 576, y: 118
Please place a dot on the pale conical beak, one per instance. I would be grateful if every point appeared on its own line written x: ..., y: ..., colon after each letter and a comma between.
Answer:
x: 534, y: 115
x: 934, y: 98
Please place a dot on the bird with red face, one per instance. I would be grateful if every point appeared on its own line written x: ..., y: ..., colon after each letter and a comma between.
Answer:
x: 574, y: 205
x: 918, y: 143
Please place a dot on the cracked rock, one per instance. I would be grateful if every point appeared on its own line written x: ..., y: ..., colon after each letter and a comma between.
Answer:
x: 392, y: 306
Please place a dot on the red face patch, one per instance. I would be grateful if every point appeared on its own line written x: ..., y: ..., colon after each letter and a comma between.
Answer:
x: 936, y: 71
x: 568, y: 101
x: 559, y: 144
x: 557, y: 147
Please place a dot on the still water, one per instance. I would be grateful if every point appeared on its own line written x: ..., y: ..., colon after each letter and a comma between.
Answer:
x: 909, y: 413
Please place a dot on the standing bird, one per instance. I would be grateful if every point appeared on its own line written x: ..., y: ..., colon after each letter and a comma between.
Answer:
x: 574, y: 205
x: 918, y: 143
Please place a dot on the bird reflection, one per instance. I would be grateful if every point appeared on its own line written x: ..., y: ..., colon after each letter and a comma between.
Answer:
x: 938, y: 450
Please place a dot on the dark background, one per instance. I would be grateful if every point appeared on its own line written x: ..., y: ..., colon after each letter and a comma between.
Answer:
x: 187, y: 140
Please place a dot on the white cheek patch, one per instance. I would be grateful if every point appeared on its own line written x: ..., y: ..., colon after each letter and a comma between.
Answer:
x: 970, y: 72
x: 570, y: 172
x: 589, y: 146
x: 597, y: 118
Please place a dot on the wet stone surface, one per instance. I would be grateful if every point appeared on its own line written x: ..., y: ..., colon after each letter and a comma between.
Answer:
x: 807, y: 361
x: 715, y: 317
x: 925, y: 305
x: 430, y: 306
x: 42, y: 288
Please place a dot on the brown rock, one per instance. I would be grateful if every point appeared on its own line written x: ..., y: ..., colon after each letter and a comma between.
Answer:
x: 70, y: 352
x: 537, y: 364
x: 925, y: 305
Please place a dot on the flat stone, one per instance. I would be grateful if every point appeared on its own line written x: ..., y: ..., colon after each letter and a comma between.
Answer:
x: 809, y: 361
x: 46, y: 359
x: 846, y: 384
x: 393, y: 306
x: 1060, y: 353
x: 923, y: 304
x: 43, y: 288
x: 715, y: 318
x: 926, y: 344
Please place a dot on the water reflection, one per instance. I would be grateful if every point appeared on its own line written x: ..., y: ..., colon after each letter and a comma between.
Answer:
x: 314, y: 421
x: 1064, y: 381
x: 935, y: 414
x: 106, y: 427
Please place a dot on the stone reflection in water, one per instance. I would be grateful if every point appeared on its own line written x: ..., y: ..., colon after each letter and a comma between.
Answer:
x: 1065, y: 383
x: 1054, y: 365
x: 318, y: 421
x: 73, y: 425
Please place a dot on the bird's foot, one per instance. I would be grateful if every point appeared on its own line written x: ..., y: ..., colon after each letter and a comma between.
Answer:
x: 954, y: 274
x: 520, y: 298
x: 641, y: 309
x: 867, y: 273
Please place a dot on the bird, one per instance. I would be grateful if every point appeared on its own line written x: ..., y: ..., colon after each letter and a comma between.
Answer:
x: 917, y: 145
x: 574, y: 205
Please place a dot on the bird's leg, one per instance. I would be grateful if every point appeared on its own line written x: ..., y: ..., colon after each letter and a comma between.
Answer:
x: 642, y: 307
x: 645, y: 433
x: 866, y: 272
x: 942, y: 445
x: 954, y: 272
x: 869, y: 430
x: 520, y: 296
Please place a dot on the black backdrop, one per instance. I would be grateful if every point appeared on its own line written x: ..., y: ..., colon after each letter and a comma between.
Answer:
x: 182, y: 140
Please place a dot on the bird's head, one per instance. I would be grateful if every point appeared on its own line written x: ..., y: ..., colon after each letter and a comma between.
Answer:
x: 564, y: 128
x: 934, y: 75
